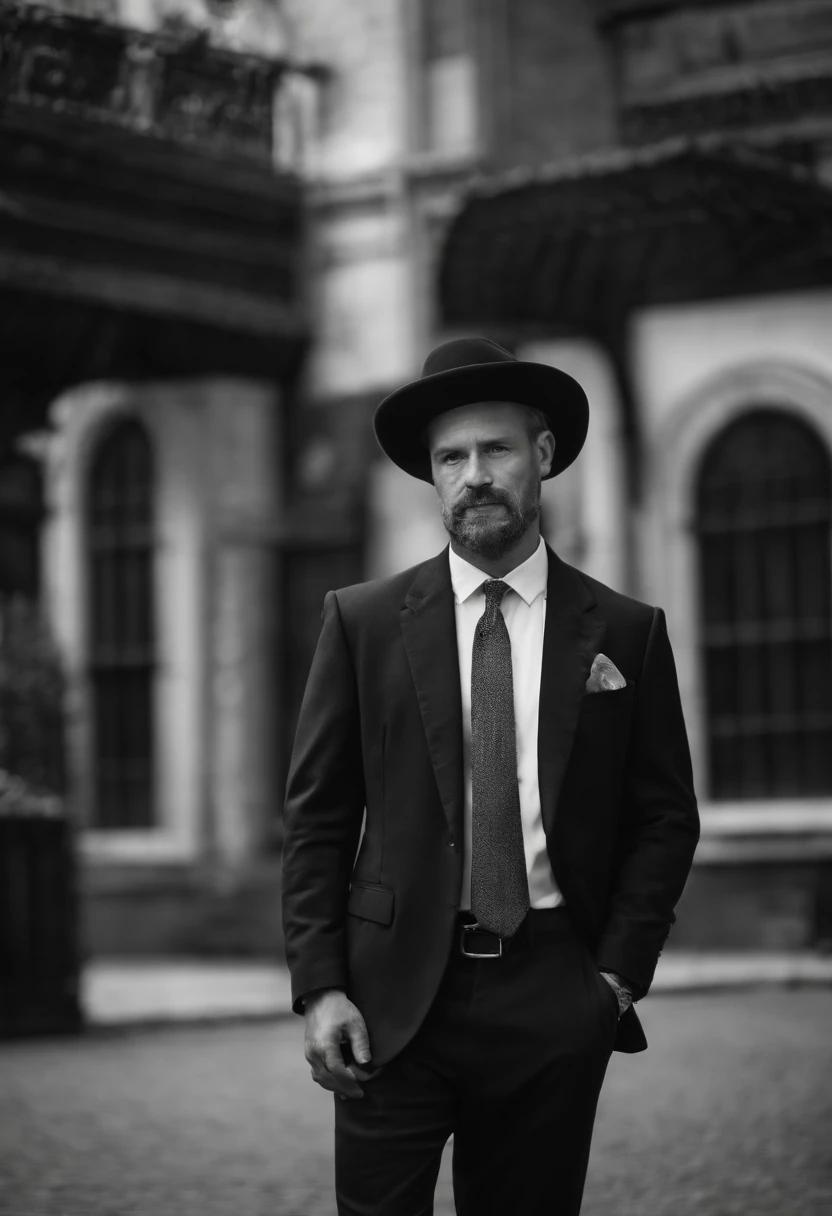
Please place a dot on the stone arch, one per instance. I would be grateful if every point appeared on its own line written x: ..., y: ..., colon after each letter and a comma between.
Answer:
x: 82, y: 420
x: 670, y: 557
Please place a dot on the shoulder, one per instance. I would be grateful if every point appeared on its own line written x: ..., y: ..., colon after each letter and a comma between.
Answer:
x: 382, y: 594
x: 612, y: 606
x: 623, y: 609
x: 631, y: 625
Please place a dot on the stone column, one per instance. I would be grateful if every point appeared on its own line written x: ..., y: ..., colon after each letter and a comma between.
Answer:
x: 245, y: 492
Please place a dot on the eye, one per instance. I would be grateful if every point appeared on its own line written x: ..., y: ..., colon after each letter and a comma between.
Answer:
x: 450, y: 457
x: 497, y: 447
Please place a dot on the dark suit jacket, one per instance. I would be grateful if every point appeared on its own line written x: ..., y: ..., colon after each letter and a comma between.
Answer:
x: 381, y: 728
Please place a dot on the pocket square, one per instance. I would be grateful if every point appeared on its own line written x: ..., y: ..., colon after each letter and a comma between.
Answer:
x: 604, y: 676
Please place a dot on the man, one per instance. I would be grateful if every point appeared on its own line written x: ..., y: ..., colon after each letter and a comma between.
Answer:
x: 508, y: 733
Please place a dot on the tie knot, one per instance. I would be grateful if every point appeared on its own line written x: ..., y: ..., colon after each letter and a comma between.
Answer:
x: 494, y: 589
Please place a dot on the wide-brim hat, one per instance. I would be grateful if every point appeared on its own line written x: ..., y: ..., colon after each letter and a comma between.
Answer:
x: 468, y: 370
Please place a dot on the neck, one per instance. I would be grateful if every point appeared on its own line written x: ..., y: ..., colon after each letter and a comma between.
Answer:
x: 496, y: 567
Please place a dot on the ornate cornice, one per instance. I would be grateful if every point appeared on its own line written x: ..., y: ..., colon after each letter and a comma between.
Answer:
x: 757, y: 104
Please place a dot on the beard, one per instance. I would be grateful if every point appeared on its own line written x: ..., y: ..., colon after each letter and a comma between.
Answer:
x: 492, y: 537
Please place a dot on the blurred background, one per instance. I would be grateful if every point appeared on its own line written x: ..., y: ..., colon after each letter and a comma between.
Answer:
x: 227, y: 229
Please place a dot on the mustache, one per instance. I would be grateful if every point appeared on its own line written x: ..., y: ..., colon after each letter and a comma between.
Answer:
x: 483, y: 497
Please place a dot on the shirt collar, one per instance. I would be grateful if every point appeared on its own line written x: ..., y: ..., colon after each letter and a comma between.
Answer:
x: 528, y: 579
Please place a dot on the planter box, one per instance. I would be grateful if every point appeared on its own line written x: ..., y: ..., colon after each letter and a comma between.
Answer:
x: 38, y: 927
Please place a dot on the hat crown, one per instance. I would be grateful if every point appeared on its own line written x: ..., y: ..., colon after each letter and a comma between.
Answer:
x: 464, y: 352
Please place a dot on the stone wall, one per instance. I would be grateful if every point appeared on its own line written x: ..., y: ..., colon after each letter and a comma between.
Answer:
x: 554, y: 95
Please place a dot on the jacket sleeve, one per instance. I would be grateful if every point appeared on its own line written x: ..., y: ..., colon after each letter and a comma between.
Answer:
x: 323, y: 815
x: 660, y: 824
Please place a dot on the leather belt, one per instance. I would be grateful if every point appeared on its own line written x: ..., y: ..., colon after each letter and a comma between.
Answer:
x: 543, y: 924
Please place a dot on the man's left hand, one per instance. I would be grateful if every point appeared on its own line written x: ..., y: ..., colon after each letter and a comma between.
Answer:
x: 621, y: 990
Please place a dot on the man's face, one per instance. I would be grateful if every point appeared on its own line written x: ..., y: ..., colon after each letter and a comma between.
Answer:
x: 487, y: 472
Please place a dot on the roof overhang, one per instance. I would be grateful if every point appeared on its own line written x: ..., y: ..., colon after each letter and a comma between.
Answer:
x: 580, y: 244
x: 123, y: 261
x: 148, y: 227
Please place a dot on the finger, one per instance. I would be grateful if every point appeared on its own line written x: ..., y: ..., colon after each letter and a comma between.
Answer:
x: 359, y: 1040
x: 317, y: 1055
x: 327, y: 1081
x: 342, y: 1079
x: 364, y: 1074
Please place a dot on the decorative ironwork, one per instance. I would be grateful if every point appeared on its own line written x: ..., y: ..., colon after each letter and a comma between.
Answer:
x: 121, y: 626
x: 173, y: 86
x: 211, y: 99
x: 152, y: 207
x: 764, y: 527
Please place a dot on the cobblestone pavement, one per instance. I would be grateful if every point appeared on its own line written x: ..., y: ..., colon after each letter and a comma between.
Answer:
x: 729, y: 1112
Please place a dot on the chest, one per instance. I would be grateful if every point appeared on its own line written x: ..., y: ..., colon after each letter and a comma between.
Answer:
x: 525, y: 624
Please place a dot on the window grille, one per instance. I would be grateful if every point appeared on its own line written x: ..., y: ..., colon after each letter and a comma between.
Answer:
x: 122, y: 628
x: 763, y: 525
x: 21, y: 514
x: 449, y: 102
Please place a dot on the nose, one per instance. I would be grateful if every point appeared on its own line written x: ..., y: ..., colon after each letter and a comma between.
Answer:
x: 477, y: 472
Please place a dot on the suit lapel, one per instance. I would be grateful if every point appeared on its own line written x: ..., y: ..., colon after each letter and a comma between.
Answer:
x: 429, y: 631
x: 572, y: 636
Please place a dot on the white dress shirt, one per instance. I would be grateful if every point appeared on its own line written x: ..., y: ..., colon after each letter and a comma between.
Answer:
x: 524, y: 610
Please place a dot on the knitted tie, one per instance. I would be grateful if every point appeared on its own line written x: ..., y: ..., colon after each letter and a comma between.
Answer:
x: 499, y: 886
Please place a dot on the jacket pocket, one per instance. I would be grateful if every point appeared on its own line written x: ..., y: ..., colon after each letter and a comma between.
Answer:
x: 600, y: 702
x: 371, y: 901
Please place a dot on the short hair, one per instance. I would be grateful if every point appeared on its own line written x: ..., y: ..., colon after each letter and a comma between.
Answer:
x: 536, y: 422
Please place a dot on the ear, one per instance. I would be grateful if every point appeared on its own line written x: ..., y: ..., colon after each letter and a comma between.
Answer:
x: 545, y: 444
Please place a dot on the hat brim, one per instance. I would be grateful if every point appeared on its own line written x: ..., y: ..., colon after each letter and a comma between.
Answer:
x: 402, y: 416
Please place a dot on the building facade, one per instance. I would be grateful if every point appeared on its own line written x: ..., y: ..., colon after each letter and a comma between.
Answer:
x: 154, y: 319
x: 637, y: 193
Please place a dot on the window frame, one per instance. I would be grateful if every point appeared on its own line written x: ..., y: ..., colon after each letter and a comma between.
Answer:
x: 794, y: 829
x: 733, y: 517
x: 120, y: 539
x: 428, y: 72
x: 80, y: 417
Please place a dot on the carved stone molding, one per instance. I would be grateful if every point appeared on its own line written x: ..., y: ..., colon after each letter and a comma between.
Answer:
x: 761, y: 103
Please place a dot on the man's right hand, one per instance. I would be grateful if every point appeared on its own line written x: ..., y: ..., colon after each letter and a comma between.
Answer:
x: 332, y: 1019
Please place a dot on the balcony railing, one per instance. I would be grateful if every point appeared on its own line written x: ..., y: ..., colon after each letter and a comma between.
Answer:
x: 170, y: 85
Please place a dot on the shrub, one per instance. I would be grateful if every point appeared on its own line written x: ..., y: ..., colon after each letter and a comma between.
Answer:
x: 31, y: 703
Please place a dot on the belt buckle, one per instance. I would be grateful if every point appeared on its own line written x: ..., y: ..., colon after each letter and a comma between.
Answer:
x: 473, y: 928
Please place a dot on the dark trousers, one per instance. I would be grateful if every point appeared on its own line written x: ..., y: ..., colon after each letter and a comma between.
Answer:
x: 510, y: 1061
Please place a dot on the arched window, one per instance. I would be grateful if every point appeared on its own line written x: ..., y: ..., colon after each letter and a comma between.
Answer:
x: 763, y: 524
x: 21, y: 515
x: 121, y: 626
